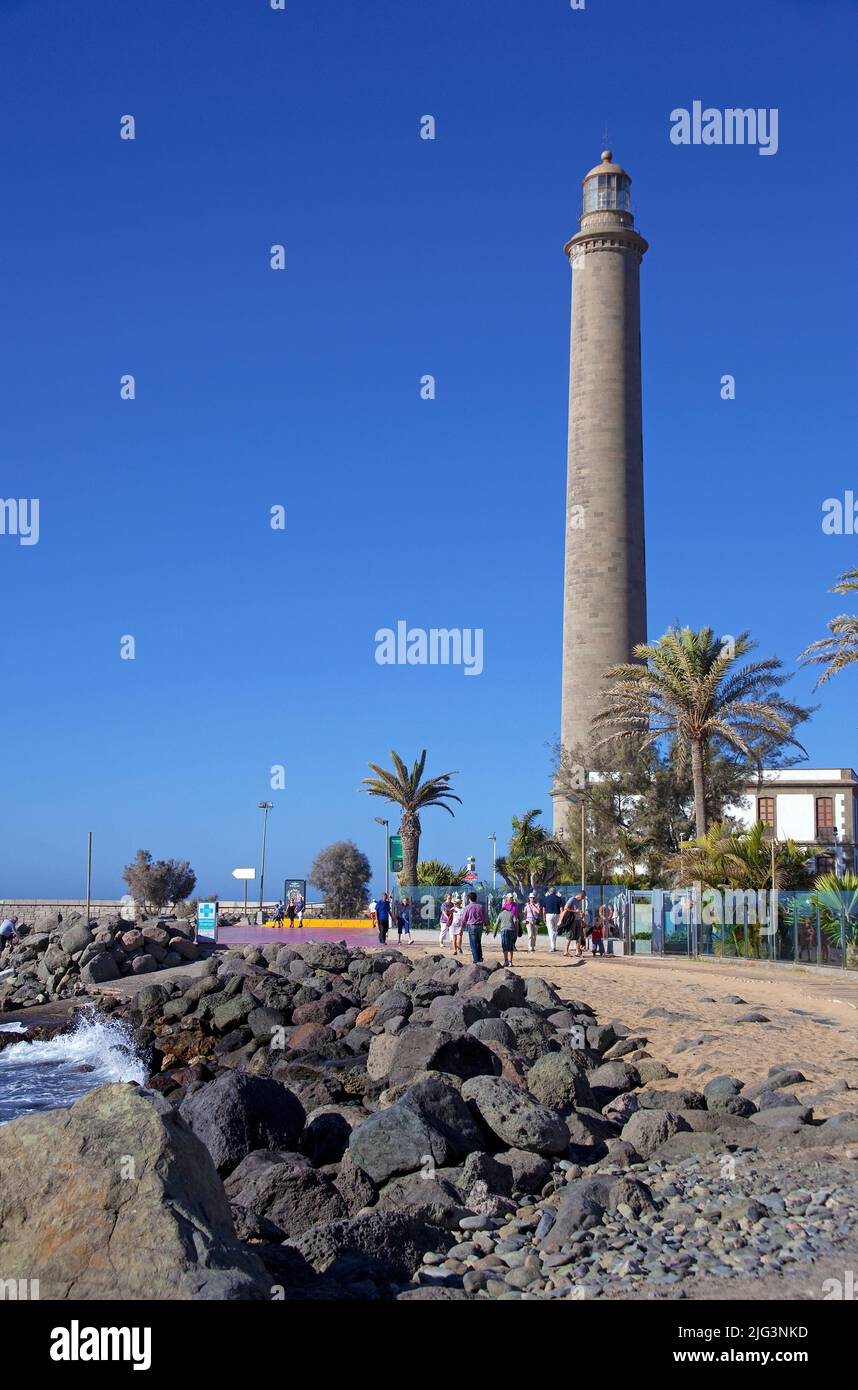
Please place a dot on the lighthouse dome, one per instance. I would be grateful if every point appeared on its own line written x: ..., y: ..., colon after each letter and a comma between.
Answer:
x: 607, y: 186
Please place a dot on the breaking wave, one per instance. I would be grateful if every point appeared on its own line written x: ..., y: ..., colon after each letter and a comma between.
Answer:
x: 48, y: 1075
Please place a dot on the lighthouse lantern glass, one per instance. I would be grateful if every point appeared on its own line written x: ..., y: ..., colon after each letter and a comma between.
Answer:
x: 607, y: 191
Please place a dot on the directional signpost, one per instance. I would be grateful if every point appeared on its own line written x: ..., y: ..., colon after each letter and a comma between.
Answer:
x: 247, y: 875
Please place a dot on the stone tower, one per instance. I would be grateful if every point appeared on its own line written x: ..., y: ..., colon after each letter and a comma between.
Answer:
x: 604, y: 609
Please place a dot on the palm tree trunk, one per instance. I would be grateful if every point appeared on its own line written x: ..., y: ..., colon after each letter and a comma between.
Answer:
x: 699, y: 779
x: 409, y: 829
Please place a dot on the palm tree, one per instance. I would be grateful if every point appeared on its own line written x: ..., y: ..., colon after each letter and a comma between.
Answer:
x: 687, y: 688
x: 408, y: 790
x: 535, y: 858
x: 742, y: 859
x: 841, y: 648
x: 836, y: 897
x: 432, y: 873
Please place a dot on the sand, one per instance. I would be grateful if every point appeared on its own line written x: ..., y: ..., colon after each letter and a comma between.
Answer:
x: 813, y: 1015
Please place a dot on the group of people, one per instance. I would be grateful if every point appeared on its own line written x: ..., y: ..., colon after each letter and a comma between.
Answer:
x: 292, y: 911
x: 386, y: 911
x: 571, y: 920
x: 460, y: 914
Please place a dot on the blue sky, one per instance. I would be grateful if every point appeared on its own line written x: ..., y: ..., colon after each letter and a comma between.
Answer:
x: 301, y: 388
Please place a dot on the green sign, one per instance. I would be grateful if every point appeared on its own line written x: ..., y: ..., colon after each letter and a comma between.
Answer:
x: 394, y: 848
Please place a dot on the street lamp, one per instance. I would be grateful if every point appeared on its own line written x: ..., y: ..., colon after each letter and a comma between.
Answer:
x: 265, y: 807
x: 494, y: 843
x: 379, y: 820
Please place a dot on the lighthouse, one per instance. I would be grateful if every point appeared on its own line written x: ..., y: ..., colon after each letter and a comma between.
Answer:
x: 604, y: 603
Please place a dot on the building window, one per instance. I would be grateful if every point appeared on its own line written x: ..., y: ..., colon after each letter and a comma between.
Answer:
x: 766, y: 810
x: 824, y: 817
x: 824, y: 864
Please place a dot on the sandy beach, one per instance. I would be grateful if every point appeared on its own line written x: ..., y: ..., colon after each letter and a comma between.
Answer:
x: 812, y: 1015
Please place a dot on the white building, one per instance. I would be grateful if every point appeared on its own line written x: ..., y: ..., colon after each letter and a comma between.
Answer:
x: 817, y: 807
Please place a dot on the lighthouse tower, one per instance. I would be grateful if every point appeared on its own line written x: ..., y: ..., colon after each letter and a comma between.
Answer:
x: 604, y: 611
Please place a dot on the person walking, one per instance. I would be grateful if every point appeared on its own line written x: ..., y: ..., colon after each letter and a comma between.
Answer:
x: 403, y: 922
x: 506, y: 925
x: 382, y: 914
x: 372, y: 917
x: 458, y: 929
x: 474, y: 918
x: 553, y: 906
x: 582, y: 924
x: 299, y: 910
x: 290, y: 912
x: 446, y: 920
x: 566, y: 925
x: 532, y: 916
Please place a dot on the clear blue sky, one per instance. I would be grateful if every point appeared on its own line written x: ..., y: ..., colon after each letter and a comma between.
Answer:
x: 301, y: 388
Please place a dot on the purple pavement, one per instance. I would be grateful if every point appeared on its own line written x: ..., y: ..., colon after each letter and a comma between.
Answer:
x: 284, y: 936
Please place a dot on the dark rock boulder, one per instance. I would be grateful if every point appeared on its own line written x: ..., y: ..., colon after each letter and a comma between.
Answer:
x: 493, y: 1030
x: 395, y: 1141
x: 425, y: 1049
x: 513, y: 1118
x: 442, y: 1109
x: 237, y: 1113
x: 291, y: 1196
x: 560, y: 1082
x: 379, y: 1246
x: 647, y: 1130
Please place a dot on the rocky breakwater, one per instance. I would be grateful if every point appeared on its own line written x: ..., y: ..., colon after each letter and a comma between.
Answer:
x: 66, y: 959
x: 386, y: 1127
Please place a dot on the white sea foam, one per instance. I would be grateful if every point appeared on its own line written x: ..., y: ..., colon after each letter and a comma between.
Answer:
x: 48, y: 1075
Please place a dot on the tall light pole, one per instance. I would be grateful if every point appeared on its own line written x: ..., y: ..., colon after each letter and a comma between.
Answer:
x: 265, y: 807
x: 379, y: 820
x: 494, y: 843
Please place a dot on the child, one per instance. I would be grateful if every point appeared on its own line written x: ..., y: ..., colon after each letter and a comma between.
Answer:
x: 597, y: 932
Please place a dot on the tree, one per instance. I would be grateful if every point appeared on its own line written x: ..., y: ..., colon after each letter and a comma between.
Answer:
x: 535, y: 858
x: 687, y: 690
x: 638, y: 808
x: 408, y: 790
x: 836, y: 897
x: 431, y: 873
x: 740, y: 859
x: 841, y: 648
x: 157, y: 883
x: 342, y: 873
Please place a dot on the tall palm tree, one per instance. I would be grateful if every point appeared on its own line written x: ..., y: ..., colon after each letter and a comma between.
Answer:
x: 408, y: 790
x: 688, y: 689
x: 841, y: 648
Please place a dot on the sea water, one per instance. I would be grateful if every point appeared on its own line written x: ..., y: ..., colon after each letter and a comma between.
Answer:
x: 48, y: 1075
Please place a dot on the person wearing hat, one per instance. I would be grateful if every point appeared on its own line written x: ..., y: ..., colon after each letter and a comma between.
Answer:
x: 458, y: 929
x: 446, y: 919
x: 532, y: 915
x: 553, y: 905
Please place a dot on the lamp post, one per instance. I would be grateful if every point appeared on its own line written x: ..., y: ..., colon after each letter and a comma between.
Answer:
x: 494, y: 843
x: 379, y: 820
x: 265, y: 807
